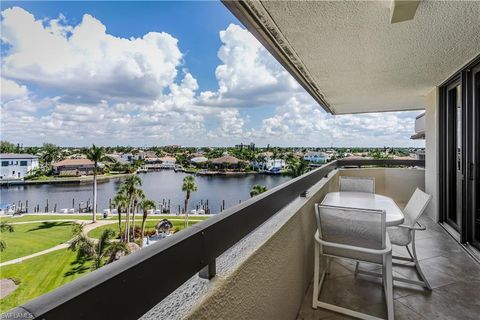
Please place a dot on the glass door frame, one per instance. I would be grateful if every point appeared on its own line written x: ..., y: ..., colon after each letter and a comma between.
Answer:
x: 469, y: 153
x: 475, y: 156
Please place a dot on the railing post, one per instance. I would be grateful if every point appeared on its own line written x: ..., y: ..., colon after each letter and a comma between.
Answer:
x: 209, y: 271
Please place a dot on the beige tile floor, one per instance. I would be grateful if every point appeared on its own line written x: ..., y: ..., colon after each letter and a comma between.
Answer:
x: 452, y: 273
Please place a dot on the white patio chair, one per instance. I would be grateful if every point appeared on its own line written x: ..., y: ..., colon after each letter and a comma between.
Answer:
x: 357, y: 184
x: 404, y: 235
x: 355, y: 234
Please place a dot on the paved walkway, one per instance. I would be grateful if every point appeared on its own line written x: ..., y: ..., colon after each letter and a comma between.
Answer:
x: 86, y: 229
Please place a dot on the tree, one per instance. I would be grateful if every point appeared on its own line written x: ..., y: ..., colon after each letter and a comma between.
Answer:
x: 50, y: 154
x: 7, y: 147
x: 95, y: 154
x: 138, y: 196
x: 297, y: 168
x: 257, y: 189
x: 129, y: 187
x: 102, y: 252
x: 146, y: 205
x: 5, y: 227
x: 121, y: 202
x: 188, y: 187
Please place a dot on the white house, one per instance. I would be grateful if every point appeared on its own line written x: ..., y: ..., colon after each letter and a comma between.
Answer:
x: 16, y: 165
x: 317, y: 157
x: 269, y: 164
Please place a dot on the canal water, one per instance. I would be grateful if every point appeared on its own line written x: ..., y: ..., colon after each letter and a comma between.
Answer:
x: 159, y: 185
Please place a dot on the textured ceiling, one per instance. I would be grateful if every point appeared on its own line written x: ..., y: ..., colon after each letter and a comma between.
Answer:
x: 361, y: 63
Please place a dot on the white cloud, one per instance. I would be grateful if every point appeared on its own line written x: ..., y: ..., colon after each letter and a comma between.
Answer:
x: 112, y: 90
x: 248, y: 76
x: 84, y: 61
x: 11, y: 90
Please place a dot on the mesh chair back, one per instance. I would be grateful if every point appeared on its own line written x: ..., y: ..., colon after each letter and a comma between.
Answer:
x: 415, y: 207
x: 352, y: 226
x: 357, y: 184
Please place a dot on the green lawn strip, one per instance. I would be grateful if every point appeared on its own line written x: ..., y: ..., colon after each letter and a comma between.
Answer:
x: 44, y: 217
x: 29, y: 238
x: 40, y: 275
x: 150, y: 224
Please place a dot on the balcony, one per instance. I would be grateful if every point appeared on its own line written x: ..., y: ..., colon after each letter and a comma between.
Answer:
x: 255, y: 261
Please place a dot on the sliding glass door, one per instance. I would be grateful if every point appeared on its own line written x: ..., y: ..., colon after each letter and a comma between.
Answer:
x: 460, y: 154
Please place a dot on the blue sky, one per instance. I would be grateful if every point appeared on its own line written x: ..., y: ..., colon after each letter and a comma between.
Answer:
x: 155, y: 73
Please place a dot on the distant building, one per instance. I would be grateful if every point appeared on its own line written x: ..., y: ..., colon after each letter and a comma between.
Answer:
x: 74, y: 167
x: 316, y: 157
x: 117, y: 158
x: 198, y: 160
x: 241, y: 146
x: 168, y: 161
x: 17, y: 166
x: 269, y: 164
x: 226, y: 162
x: 128, y: 157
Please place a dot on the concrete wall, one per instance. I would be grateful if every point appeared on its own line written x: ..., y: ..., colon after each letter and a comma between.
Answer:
x: 431, y: 153
x: 396, y: 183
x: 271, y: 282
x: 266, y: 275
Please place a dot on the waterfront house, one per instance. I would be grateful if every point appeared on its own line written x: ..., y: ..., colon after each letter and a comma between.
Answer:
x: 198, y: 160
x: 351, y: 57
x: 226, y: 162
x: 17, y: 165
x: 316, y: 157
x: 74, y: 167
x: 269, y: 164
x: 167, y: 161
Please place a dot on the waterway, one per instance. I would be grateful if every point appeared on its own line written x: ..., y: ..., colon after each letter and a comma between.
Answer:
x: 159, y: 186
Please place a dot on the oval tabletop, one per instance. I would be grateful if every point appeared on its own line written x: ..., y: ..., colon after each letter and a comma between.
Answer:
x: 364, y: 200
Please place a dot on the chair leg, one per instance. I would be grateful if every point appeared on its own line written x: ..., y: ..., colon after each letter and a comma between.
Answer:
x: 417, y: 265
x: 316, y: 275
x: 356, y: 268
x: 389, y: 286
x: 327, y: 269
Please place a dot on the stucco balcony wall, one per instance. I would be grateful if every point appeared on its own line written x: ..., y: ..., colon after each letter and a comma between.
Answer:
x: 267, y: 274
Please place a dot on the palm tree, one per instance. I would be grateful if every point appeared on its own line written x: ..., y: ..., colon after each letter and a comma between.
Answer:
x: 129, y: 187
x: 121, y: 202
x: 257, y: 189
x: 138, y: 196
x: 50, y: 153
x: 102, y: 251
x: 5, y: 227
x: 188, y: 187
x: 95, y: 154
x: 297, y: 168
x: 146, y: 205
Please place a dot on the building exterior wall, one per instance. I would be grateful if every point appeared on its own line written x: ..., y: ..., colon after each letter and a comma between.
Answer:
x: 77, y: 170
x: 14, y: 169
x: 432, y: 153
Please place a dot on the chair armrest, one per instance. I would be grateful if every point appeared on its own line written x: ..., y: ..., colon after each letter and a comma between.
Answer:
x: 387, y: 249
x: 419, y: 228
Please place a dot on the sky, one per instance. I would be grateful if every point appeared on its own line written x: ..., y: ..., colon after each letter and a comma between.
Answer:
x: 160, y: 73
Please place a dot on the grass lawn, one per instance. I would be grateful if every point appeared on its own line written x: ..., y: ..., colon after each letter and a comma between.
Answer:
x: 149, y: 224
x: 40, y: 217
x: 40, y: 275
x: 29, y: 238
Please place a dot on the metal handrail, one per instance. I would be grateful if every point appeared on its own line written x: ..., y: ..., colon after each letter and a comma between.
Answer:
x: 126, y: 289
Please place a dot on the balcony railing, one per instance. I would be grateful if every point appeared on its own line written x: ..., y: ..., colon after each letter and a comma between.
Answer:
x: 116, y: 291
